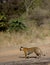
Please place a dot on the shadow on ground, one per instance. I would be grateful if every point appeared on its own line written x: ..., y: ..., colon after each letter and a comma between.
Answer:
x: 28, y: 57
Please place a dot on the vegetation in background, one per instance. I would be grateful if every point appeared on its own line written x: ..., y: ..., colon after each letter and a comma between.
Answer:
x: 15, y: 25
x: 3, y: 23
x: 37, y: 10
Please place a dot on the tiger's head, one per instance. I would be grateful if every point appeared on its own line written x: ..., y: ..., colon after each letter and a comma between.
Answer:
x: 21, y: 48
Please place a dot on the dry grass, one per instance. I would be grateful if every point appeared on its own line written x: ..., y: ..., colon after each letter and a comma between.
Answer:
x: 31, y: 37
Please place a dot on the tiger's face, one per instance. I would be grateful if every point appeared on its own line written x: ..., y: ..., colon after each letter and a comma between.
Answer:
x: 21, y: 48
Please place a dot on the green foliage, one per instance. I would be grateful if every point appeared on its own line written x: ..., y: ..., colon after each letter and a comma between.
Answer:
x: 11, y: 25
x: 3, y: 23
x: 15, y: 25
x: 37, y: 3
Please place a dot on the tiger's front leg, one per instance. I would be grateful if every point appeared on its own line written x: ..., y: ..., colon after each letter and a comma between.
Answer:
x: 26, y: 55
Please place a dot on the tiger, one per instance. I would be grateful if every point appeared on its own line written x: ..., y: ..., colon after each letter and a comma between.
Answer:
x: 28, y: 51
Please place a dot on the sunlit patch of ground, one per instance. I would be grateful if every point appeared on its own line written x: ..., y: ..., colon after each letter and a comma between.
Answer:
x: 15, y: 54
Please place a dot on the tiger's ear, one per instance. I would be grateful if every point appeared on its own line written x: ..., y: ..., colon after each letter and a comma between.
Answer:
x: 21, y: 47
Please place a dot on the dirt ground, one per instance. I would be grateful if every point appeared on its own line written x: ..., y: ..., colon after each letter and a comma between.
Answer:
x: 14, y: 54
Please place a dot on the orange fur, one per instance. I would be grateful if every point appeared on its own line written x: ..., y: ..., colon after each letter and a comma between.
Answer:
x: 28, y: 51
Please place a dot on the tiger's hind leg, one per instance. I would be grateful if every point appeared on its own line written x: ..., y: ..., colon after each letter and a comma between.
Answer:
x: 38, y: 56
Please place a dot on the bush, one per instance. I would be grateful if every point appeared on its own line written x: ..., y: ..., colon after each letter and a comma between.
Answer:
x: 15, y: 25
x: 3, y: 23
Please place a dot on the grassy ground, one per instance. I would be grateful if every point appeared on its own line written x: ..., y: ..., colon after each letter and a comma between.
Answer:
x: 33, y: 36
